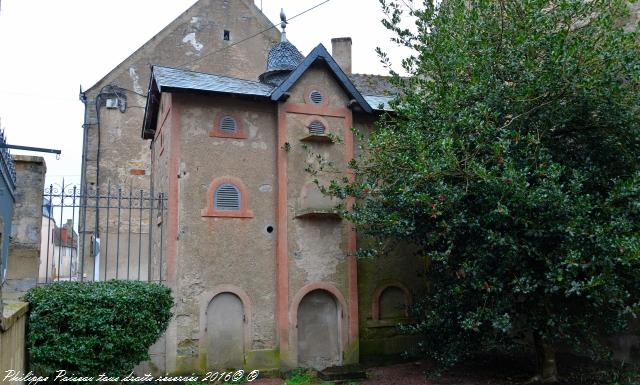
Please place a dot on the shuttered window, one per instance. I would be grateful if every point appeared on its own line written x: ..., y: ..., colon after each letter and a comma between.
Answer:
x: 227, y: 198
x: 316, y: 97
x: 228, y: 125
x: 316, y: 128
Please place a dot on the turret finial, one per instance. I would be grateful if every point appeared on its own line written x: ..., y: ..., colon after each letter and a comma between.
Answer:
x: 283, y: 24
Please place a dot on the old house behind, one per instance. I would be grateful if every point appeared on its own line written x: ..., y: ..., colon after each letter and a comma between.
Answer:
x: 203, y: 38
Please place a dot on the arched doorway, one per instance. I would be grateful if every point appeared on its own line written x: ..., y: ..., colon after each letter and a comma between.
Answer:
x: 318, y: 331
x: 225, y: 332
x: 393, y: 303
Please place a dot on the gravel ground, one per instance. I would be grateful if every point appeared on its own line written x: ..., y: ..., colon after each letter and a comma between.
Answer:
x: 491, y: 370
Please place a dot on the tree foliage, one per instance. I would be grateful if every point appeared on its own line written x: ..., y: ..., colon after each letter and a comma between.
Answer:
x: 512, y: 164
x: 89, y: 328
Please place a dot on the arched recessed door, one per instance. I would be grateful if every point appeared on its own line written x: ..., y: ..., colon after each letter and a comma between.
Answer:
x: 225, y: 332
x: 393, y: 303
x: 318, y: 331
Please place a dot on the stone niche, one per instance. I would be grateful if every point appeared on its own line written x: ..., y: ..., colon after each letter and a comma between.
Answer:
x: 312, y: 203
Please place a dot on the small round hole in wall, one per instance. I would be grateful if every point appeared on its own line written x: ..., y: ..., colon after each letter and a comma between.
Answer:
x: 270, y: 229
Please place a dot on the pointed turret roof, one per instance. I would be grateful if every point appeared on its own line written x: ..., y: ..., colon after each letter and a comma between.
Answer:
x: 283, y: 58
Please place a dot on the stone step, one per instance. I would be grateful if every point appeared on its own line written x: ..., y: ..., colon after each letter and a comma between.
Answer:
x: 343, y: 373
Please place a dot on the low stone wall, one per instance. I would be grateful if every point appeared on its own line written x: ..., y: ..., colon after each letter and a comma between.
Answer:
x: 12, y: 339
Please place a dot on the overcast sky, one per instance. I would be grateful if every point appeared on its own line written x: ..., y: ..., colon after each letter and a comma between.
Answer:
x: 49, y: 48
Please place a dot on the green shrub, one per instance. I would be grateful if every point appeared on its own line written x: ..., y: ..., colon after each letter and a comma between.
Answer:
x: 89, y: 328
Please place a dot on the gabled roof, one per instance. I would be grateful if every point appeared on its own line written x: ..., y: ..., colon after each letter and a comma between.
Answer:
x: 320, y: 54
x: 169, y: 79
x: 374, y: 84
x: 146, y: 51
x: 65, y: 237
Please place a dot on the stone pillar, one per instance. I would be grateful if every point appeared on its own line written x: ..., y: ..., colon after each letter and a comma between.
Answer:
x: 634, y: 16
x: 26, y: 227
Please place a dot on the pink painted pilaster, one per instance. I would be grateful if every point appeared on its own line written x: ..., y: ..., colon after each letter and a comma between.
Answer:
x: 282, y: 258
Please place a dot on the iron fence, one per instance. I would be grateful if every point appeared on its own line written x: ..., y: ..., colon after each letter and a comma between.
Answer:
x: 102, y: 234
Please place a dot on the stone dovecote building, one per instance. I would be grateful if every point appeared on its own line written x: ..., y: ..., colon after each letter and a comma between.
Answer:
x: 261, y: 266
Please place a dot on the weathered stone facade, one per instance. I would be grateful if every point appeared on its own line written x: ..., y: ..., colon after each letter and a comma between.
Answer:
x: 272, y: 283
x: 195, y: 40
x: 202, y: 39
x: 24, y: 256
x: 24, y: 247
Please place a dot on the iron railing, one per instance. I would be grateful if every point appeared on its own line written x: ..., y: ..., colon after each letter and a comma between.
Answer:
x: 113, y: 233
x: 8, y: 167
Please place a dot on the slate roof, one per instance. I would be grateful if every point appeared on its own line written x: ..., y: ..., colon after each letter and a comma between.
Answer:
x: 372, y: 92
x: 167, y: 79
x: 376, y: 89
x: 374, y: 84
x: 284, y: 56
x: 380, y: 103
x: 321, y: 53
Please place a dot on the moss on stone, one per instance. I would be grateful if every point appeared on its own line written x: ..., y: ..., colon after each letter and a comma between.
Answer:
x: 351, y: 353
x: 262, y: 359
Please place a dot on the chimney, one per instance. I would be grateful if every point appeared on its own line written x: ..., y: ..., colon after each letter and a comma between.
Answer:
x: 341, y: 52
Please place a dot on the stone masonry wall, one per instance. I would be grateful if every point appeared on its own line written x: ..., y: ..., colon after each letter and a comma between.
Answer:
x: 24, y: 249
x: 196, y: 34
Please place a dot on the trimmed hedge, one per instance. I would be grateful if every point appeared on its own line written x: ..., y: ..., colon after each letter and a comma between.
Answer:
x: 89, y: 328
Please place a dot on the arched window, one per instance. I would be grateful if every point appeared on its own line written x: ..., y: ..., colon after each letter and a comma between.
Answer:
x: 228, y: 125
x: 316, y: 127
x: 227, y: 197
x: 391, y: 301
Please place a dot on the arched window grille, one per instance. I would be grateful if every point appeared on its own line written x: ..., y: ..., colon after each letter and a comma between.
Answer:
x: 317, y: 128
x: 228, y: 125
x: 227, y: 198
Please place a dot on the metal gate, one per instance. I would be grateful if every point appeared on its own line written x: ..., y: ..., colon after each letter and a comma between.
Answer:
x: 89, y: 234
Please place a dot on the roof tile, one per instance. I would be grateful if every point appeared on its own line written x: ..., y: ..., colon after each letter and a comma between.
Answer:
x: 167, y: 77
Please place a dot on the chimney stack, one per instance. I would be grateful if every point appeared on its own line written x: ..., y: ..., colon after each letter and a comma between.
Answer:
x: 341, y: 52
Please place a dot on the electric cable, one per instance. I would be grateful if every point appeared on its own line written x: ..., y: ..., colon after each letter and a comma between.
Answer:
x: 252, y: 36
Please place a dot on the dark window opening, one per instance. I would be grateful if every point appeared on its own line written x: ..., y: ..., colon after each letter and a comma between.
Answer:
x: 227, y: 35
